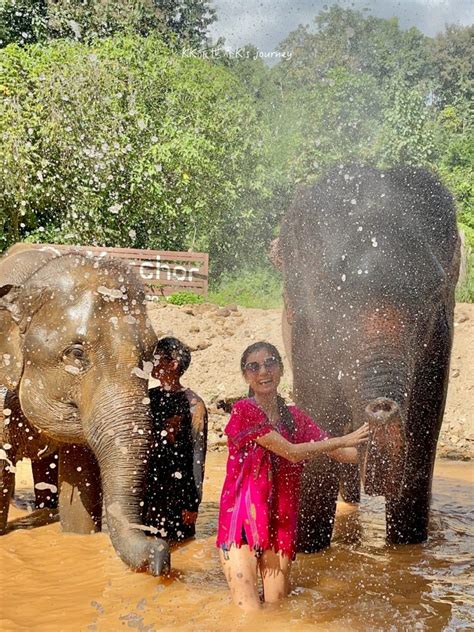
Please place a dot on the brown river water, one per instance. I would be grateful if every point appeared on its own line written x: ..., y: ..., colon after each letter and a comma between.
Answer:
x: 52, y: 581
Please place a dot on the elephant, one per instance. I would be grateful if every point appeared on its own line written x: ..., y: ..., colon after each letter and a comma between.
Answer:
x: 370, y: 260
x: 75, y: 352
x: 29, y: 442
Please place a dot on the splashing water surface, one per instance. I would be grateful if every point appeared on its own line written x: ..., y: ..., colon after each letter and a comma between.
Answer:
x: 59, y: 581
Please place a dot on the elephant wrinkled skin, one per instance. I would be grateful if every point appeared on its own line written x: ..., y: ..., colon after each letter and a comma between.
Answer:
x: 74, y: 348
x: 370, y: 261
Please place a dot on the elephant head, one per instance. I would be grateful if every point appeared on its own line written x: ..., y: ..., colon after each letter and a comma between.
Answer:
x: 84, y: 345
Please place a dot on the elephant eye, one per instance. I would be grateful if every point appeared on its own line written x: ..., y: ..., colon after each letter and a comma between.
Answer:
x: 75, y: 352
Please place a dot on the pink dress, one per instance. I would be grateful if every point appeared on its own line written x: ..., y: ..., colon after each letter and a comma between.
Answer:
x: 260, y: 496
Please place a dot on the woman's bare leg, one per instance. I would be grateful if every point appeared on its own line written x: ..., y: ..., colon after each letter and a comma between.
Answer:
x: 275, y: 570
x: 240, y: 570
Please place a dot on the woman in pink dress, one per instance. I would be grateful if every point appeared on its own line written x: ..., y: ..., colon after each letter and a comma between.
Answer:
x: 268, y: 442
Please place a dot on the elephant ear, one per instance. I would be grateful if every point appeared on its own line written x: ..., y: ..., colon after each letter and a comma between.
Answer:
x: 9, y: 295
x: 22, y: 303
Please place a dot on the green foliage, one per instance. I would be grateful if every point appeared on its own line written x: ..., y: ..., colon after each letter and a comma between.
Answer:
x: 345, y: 38
x: 125, y: 143
x: 455, y: 139
x: 22, y: 21
x: 465, y: 291
x: 249, y: 287
x: 32, y: 21
x: 185, y: 298
x: 406, y: 135
x: 452, y: 53
x: 340, y: 122
x: 114, y: 136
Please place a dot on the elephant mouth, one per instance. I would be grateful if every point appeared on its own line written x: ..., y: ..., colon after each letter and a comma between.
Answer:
x: 383, y: 456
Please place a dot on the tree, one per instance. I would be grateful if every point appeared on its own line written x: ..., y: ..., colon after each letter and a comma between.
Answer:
x: 453, y: 61
x: 30, y: 21
x: 126, y: 142
x: 22, y: 21
x: 348, y: 39
x: 407, y: 131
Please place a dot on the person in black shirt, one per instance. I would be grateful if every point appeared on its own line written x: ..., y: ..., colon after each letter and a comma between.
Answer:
x: 176, y: 466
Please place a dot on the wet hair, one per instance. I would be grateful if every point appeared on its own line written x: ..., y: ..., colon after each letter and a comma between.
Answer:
x: 173, y: 349
x: 285, y: 414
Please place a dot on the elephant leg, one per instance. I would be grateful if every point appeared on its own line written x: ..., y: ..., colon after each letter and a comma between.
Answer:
x: 349, y: 485
x: 407, y: 516
x: 319, y: 487
x: 7, y: 465
x: 46, y: 481
x: 80, y: 493
x: 7, y: 483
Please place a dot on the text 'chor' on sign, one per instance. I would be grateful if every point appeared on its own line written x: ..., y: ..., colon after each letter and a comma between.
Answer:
x: 158, y: 269
x: 162, y: 271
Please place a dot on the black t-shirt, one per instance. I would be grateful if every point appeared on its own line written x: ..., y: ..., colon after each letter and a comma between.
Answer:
x: 170, y: 486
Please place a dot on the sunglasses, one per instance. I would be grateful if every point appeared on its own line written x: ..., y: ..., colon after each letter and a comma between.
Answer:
x: 268, y: 364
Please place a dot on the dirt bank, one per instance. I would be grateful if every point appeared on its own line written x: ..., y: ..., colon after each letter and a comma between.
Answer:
x: 218, y: 336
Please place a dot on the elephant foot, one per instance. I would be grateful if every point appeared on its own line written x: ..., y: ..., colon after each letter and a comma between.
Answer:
x: 313, y: 546
x: 407, y: 521
x: 315, y: 536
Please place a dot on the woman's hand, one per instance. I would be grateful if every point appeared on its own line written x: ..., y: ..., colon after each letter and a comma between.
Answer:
x: 355, y: 438
x: 347, y: 452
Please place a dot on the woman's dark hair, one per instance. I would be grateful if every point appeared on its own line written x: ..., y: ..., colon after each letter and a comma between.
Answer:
x: 285, y: 414
x: 174, y: 349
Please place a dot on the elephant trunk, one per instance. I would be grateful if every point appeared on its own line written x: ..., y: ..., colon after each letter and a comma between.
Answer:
x: 383, y: 456
x: 383, y: 386
x: 120, y: 437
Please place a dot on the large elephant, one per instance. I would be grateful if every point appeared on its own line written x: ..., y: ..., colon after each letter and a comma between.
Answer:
x: 75, y: 340
x: 370, y: 261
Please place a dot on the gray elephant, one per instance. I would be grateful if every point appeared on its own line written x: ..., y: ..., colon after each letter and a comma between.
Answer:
x: 370, y: 261
x: 75, y: 347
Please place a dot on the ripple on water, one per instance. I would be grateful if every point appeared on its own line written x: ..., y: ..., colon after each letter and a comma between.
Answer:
x: 72, y: 583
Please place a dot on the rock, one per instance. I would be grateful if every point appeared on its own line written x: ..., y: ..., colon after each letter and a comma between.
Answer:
x: 216, y: 439
x: 224, y: 312
x: 188, y: 310
x: 462, y: 318
x: 194, y: 329
x: 203, y: 344
x: 232, y: 307
x: 200, y: 346
x: 205, y: 307
x: 452, y: 454
x: 455, y: 373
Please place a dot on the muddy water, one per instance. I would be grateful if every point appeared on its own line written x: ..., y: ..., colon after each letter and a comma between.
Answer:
x: 52, y: 581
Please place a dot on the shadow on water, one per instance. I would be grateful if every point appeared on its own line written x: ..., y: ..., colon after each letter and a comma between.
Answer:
x: 74, y: 583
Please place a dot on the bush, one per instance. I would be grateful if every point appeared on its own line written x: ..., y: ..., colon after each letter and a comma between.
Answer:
x: 184, y: 298
x: 465, y: 292
x: 257, y: 287
x: 125, y: 142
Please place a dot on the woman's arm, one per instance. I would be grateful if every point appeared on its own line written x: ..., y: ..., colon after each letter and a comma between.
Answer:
x: 345, y: 455
x: 295, y: 452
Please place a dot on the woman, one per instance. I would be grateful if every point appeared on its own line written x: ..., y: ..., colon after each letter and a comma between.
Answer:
x: 258, y: 514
